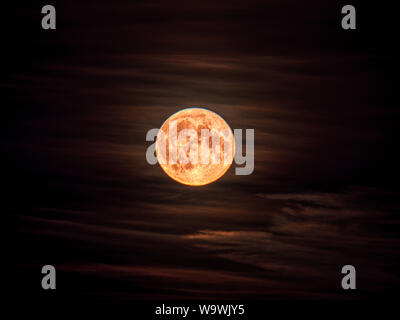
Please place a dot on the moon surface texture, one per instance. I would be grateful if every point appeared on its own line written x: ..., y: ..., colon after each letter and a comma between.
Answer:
x: 195, y: 146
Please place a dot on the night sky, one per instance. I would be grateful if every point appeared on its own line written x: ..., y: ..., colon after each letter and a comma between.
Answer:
x: 78, y: 101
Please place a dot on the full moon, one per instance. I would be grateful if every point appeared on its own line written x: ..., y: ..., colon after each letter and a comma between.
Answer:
x: 218, y: 147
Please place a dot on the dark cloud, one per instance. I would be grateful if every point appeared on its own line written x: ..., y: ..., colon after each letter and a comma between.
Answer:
x: 81, y: 195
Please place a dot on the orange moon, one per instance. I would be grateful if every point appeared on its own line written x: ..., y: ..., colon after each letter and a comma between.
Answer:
x: 196, y: 173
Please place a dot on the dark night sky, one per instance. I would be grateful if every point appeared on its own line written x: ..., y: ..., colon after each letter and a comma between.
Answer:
x: 78, y: 101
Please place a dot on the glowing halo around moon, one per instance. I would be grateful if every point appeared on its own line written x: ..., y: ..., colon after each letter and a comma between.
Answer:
x: 196, y: 173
